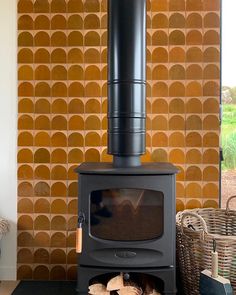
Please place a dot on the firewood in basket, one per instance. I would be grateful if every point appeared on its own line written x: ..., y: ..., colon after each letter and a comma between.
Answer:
x: 130, y: 290
x: 98, y: 289
x: 115, y: 283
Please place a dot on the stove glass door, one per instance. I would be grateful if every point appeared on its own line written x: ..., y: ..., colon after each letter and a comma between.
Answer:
x: 126, y: 214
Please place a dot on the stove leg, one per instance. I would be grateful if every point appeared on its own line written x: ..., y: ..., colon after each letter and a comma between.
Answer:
x: 83, y: 281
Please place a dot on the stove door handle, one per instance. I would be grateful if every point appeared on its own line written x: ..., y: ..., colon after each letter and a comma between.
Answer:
x: 79, y: 239
x: 79, y: 232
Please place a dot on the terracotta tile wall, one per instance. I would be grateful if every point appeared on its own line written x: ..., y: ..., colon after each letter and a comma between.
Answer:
x: 62, y: 113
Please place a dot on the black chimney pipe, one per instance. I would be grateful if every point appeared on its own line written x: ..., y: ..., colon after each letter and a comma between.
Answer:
x: 126, y: 81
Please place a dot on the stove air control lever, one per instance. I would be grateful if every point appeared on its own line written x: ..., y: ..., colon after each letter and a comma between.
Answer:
x: 126, y: 276
x: 79, y: 233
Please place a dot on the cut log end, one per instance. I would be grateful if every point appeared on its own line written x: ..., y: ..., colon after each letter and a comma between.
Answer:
x: 115, y: 283
x: 130, y: 290
x: 98, y: 289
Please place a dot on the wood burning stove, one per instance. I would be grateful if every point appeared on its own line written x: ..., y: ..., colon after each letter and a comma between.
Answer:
x: 126, y: 209
x: 138, y: 233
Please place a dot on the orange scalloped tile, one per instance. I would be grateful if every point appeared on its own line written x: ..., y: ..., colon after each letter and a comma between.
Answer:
x: 62, y: 109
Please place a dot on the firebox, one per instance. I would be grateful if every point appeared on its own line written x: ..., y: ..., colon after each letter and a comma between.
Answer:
x: 126, y: 209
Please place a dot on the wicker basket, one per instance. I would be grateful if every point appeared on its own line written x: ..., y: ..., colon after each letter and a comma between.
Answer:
x: 196, y: 230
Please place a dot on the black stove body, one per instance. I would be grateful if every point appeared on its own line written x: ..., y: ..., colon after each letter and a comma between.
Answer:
x: 128, y: 208
x: 138, y: 234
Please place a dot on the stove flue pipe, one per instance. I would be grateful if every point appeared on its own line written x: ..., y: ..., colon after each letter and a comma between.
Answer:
x: 126, y: 81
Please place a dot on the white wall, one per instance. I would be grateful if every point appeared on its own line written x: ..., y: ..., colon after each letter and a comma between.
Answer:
x: 228, y: 43
x: 8, y: 134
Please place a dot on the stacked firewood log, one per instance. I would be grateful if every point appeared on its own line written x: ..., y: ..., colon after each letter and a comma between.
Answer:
x: 119, y: 286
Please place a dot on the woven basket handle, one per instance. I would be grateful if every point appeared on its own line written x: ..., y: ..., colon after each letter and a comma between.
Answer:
x: 192, y: 214
x: 227, y: 203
